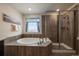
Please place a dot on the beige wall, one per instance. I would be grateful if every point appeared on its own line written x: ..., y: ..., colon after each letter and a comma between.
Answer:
x: 5, y: 27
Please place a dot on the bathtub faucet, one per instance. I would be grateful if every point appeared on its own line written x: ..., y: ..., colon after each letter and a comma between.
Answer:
x: 41, y: 41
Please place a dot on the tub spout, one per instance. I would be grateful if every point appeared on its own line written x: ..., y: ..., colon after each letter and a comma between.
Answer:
x: 41, y: 41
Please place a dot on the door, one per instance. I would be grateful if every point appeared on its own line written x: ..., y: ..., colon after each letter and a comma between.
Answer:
x: 67, y: 28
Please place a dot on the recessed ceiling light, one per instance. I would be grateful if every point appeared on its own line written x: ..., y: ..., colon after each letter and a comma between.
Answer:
x: 58, y: 10
x: 29, y: 9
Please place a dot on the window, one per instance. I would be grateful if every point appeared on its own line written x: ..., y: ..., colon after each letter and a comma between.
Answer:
x: 33, y: 25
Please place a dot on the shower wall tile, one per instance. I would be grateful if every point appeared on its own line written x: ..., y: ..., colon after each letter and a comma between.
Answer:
x: 70, y: 35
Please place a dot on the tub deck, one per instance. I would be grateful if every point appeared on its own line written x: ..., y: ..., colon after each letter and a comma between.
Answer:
x: 16, y: 49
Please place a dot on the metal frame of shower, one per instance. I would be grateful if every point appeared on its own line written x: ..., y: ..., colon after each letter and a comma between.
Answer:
x: 58, y: 29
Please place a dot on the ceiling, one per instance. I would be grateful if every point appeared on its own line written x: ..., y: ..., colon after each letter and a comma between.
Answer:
x: 40, y: 7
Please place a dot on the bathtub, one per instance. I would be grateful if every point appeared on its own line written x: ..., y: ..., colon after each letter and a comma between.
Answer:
x: 29, y: 41
x: 28, y: 47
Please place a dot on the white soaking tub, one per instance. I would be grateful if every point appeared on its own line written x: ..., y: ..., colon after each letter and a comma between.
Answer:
x: 29, y: 41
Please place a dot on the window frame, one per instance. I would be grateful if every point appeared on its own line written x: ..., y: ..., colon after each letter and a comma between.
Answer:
x: 40, y: 27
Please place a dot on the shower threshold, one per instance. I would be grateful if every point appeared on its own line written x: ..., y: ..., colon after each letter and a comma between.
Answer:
x: 63, y: 50
x: 62, y: 46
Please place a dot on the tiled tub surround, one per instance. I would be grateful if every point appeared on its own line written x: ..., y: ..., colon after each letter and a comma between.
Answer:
x: 17, y: 49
